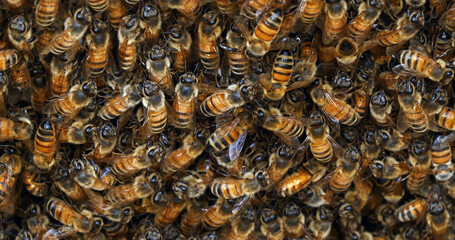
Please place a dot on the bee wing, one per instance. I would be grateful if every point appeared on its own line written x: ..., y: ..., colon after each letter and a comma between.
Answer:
x: 236, y: 147
x: 298, y: 155
x: 60, y: 233
x: 402, y: 123
x: 401, y: 69
x: 205, y: 90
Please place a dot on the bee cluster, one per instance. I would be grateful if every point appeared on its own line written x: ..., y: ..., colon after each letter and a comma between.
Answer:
x: 227, y: 119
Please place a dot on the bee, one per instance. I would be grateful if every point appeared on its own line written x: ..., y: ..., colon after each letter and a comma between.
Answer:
x: 104, y: 138
x: 335, y: 109
x: 389, y: 168
x: 209, y: 31
x: 87, y: 179
x: 243, y: 226
x: 412, y: 210
x: 117, y: 10
x: 271, y: 224
x: 296, y: 181
x: 66, y: 40
x: 158, y: 68
x: 152, y: 20
x: 118, y: 105
x: 252, y: 9
x: 8, y: 179
x: 230, y: 188
x: 359, y: 27
x: 441, y: 155
x: 101, y: 206
x: 227, y: 7
x: 321, y: 224
x: 420, y: 159
x: 349, y: 217
x: 47, y: 34
x: 12, y: 130
x: 293, y: 220
x: 346, y: 169
x: 335, y: 21
x: 190, y: 9
x: 180, y: 45
x: 37, y: 222
x: 406, y: 28
x: 224, y: 100
x: 438, y: 219
x: 186, y: 92
x: 128, y: 193
x: 59, y: 81
x: 419, y: 64
x: 20, y: 35
x: 9, y: 58
x: 98, y: 5
x: 191, y: 221
x: 65, y: 214
x: 219, y: 214
x: 260, y: 42
x: 76, y: 133
x: 170, y: 213
x: 281, y: 74
x: 130, y: 33
x: 46, y: 12
x: 287, y: 128
x: 87, y: 113
x: 442, y: 44
x: 46, y: 145
x: 183, y: 157
x: 34, y: 183
x: 39, y: 85
x: 239, y: 63
x: 69, y: 105
x: 279, y: 164
x: 413, y: 114
x: 156, y: 111
x: 309, y: 11
x: 99, y: 44
x: 129, y: 164
x: 381, y: 107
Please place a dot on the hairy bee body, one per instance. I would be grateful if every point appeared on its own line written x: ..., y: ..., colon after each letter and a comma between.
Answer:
x: 411, y: 211
x: 45, y: 145
x: 98, y: 53
x: 224, y: 100
x: 33, y: 182
x: 46, y: 12
x: 156, y: 112
x: 118, y: 105
x: 180, y: 44
x: 209, y: 30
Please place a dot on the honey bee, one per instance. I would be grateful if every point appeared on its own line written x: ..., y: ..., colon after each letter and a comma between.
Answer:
x: 297, y: 181
x: 309, y: 11
x: 170, y: 213
x: 8, y: 179
x: 69, y: 105
x: 219, y: 214
x: 413, y: 114
x: 12, y: 130
x: 232, y: 134
x: 130, y: 33
x: 230, y: 188
x: 359, y: 28
x: 441, y: 155
x: 191, y: 221
x: 9, y: 58
x: 37, y: 222
x: 281, y: 74
x: 111, y: 212
x: 34, y: 183
x: 158, y: 67
x: 442, y: 44
x: 406, y: 28
x: 46, y: 145
x: 99, y: 44
x: 184, y: 101
x: 46, y: 12
x: 227, y: 7
x: 156, y: 111
x: 293, y: 220
x: 129, y: 164
x: 279, y: 164
x: 190, y: 9
x: 180, y: 44
x: 349, y: 217
x: 321, y: 224
x: 438, y: 219
x: 183, y: 157
x: 389, y: 168
x: 47, y: 34
x: 65, y: 41
x: 243, y: 226
x: 381, y: 107
x: 152, y: 19
x: 251, y: 9
x: 98, y: 5
x: 412, y: 210
x: 65, y: 214
x: 239, y: 63
x: 437, y: 105
x: 419, y: 64
x: 128, y: 193
x: 117, y: 10
x: 118, y: 105
x: 76, y: 133
x: 271, y: 224
x: 420, y: 159
x: 209, y: 31
x: 335, y: 20
x: 87, y: 179
x: 59, y: 81
x: 87, y: 113
x: 104, y: 138
x: 224, y: 100
x: 346, y: 169
x: 20, y: 35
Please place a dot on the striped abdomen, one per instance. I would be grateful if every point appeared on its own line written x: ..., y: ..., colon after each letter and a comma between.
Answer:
x: 215, y: 104
x: 269, y: 26
x: 97, y: 60
x: 446, y: 118
x: 283, y: 66
x: 46, y: 11
x: 127, y: 55
x: 9, y: 58
x: 339, y: 110
x: 208, y: 52
x: 321, y: 150
x: 416, y: 118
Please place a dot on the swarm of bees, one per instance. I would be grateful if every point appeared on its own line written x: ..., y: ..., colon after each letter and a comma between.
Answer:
x: 227, y: 119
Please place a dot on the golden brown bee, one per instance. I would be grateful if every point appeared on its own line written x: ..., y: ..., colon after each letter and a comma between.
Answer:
x: 76, y: 133
x: 239, y: 63
x: 186, y: 92
x: 181, y: 158
x: 69, y: 105
x: 275, y: 88
x: 152, y: 20
x: 190, y: 9
x: 220, y: 213
x: 406, y: 28
x: 130, y: 33
x: 158, y: 68
x: 359, y: 27
x: 191, y: 222
x: 39, y: 85
x: 346, y: 169
x: 117, y: 10
x: 34, y: 183
x: 420, y: 159
x: 59, y: 81
x: 271, y: 224
x: 65, y: 214
x: 46, y: 145
x: 46, y: 12
x: 413, y: 114
x: 242, y: 227
x: 65, y: 41
x: 12, y: 130
x: 412, y: 210
x: 227, y: 7
x: 335, y: 20
x: 438, y: 219
x: 104, y: 138
x: 112, y: 212
x: 279, y: 164
x: 129, y: 193
x: 441, y: 155
x: 208, y: 32
x: 442, y: 44
x: 287, y: 128
x: 87, y: 113
x: 389, y: 168
x: 179, y: 43
x: 224, y: 100
x: 349, y: 217
x: 37, y: 222
x: 156, y: 111
x: 419, y: 64
x: 170, y: 213
x: 129, y: 164
x: 47, y: 34
x: 381, y: 107
x: 87, y: 179
x: 98, y: 5
x: 118, y: 105
x: 9, y: 58
x: 230, y: 188
x: 99, y: 44
x: 293, y: 220
x: 321, y: 224
x: 20, y: 35
x: 253, y: 9
x: 8, y: 179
